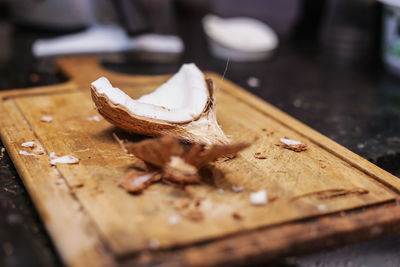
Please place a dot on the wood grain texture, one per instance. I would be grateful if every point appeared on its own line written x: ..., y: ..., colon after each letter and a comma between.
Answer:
x: 111, y: 223
x: 294, y: 238
x: 62, y: 213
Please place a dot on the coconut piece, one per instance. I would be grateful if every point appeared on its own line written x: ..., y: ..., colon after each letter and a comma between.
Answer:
x: 179, y: 171
x: 183, y: 107
x: 158, y: 151
x: 259, y: 197
x: 46, y: 118
x: 29, y: 144
x: 67, y: 159
x: 93, y: 118
x: 292, y: 145
x: 135, y: 182
x: 178, y: 162
x: 25, y: 153
x: 259, y: 155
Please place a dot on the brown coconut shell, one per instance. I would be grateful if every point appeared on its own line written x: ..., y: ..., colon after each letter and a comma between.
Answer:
x: 204, y: 129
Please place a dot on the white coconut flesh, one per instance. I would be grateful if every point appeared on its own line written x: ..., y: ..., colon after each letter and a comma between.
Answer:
x: 181, y: 99
x: 241, y: 33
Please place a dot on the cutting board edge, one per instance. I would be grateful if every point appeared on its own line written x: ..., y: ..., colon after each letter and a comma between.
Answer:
x: 383, y: 177
x: 268, y: 244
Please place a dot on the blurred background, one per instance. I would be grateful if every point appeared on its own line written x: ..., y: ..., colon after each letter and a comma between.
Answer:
x: 332, y: 64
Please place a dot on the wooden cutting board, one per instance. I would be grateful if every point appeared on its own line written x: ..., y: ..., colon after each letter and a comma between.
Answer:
x: 320, y: 197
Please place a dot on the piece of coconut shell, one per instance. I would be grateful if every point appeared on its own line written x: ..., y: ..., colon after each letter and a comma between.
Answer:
x: 158, y: 151
x: 204, y: 129
x: 134, y: 181
x: 172, y: 160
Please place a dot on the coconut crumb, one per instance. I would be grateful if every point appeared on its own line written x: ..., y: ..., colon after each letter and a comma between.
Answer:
x: 253, y: 82
x: 272, y: 199
x: 93, y: 118
x: 195, y: 215
x: 259, y: 155
x: 322, y: 164
x: 30, y: 144
x: 237, y: 216
x: 292, y: 145
x: 135, y: 182
x: 237, y: 189
x: 80, y: 185
x: 321, y: 207
x: 198, y: 202
x: 67, y: 159
x: 174, y: 219
x: 259, y: 197
x: 46, y: 119
x: 60, y: 181
x: 25, y: 153
x: 220, y: 191
x: 290, y: 142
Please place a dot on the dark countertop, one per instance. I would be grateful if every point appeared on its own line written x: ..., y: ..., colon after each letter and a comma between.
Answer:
x: 358, y: 106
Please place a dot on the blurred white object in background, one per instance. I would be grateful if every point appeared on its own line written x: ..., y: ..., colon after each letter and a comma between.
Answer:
x: 391, y: 35
x: 106, y: 39
x: 240, y: 38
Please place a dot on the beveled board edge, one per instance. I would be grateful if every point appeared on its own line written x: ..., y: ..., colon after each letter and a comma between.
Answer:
x: 267, y: 244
